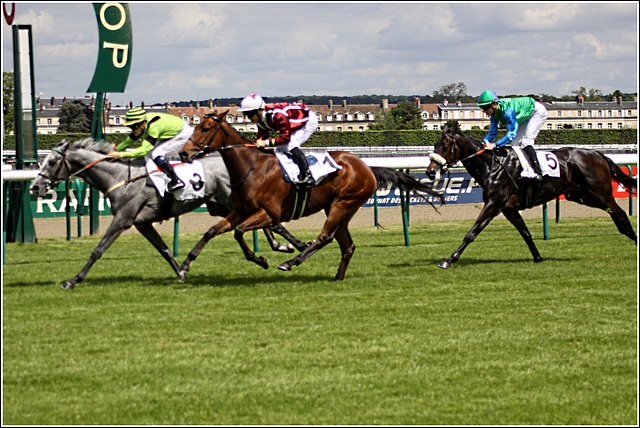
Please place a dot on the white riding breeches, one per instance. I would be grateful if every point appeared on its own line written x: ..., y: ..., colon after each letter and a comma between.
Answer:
x: 528, y: 131
x: 173, y: 145
x: 302, y: 135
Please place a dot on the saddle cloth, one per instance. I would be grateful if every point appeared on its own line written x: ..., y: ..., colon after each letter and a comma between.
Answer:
x: 192, y: 174
x: 321, y: 164
x: 548, y: 163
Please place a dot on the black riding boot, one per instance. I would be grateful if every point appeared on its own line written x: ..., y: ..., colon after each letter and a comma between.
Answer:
x: 298, y: 157
x: 167, y: 168
x: 533, y: 159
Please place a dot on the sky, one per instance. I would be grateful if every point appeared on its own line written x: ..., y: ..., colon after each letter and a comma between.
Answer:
x: 209, y: 50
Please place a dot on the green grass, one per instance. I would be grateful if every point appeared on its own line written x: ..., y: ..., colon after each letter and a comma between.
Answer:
x: 494, y: 340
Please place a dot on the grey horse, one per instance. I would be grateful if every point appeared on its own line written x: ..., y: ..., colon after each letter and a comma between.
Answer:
x: 133, y: 198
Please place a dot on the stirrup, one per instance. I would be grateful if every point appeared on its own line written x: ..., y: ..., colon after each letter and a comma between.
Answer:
x: 175, y: 185
x: 307, y: 179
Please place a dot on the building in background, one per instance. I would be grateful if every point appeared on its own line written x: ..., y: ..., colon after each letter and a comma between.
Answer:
x: 344, y: 117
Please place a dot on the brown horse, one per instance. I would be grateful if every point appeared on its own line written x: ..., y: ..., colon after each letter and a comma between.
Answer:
x: 585, y: 178
x: 261, y: 197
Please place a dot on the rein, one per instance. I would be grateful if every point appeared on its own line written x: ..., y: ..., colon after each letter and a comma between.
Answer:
x: 86, y: 167
x: 205, y: 149
x: 91, y: 165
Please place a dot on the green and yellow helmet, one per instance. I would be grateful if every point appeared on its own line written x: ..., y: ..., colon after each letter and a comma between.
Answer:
x: 135, y: 115
x: 487, y: 97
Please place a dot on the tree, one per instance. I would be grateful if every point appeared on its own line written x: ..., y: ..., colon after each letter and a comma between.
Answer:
x: 451, y: 91
x: 595, y: 95
x: 614, y: 96
x: 75, y: 117
x: 590, y: 95
x: 405, y: 115
x: 582, y: 92
x: 8, y: 115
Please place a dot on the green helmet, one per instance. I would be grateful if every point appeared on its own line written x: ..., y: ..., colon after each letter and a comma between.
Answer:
x: 487, y: 97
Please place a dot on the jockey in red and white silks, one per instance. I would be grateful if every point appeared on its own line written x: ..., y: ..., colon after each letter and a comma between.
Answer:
x: 296, y: 123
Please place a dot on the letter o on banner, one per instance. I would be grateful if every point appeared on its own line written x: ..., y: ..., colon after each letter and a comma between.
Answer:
x: 103, y: 19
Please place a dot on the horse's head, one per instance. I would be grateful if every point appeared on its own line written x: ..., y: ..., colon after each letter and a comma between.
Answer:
x: 53, y: 170
x: 206, y: 137
x: 446, y: 151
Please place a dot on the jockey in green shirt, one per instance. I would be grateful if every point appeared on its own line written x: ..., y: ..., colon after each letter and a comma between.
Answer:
x: 522, y: 116
x: 154, y: 136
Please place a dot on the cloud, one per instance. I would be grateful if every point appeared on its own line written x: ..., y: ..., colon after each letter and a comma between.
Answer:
x: 218, y: 50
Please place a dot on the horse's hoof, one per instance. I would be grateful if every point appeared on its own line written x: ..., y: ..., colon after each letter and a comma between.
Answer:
x: 537, y: 260
x: 182, y: 276
x: 264, y: 263
x: 68, y: 285
x: 286, y: 248
x: 285, y: 267
x: 444, y: 264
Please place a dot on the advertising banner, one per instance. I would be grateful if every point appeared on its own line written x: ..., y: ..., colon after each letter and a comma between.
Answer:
x: 459, y: 188
x: 115, y: 48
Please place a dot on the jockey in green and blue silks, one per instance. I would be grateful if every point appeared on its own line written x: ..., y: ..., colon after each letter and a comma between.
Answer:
x: 154, y: 136
x: 522, y: 116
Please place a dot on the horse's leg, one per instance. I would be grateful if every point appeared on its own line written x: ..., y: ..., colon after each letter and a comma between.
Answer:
x: 119, y: 224
x: 280, y: 230
x: 323, y: 239
x: 336, y: 216
x: 148, y: 231
x: 516, y: 219
x: 608, y: 204
x: 224, y: 225
x: 347, y: 247
x: 620, y: 218
x: 238, y: 234
x: 274, y: 244
x: 488, y: 212
x: 259, y: 219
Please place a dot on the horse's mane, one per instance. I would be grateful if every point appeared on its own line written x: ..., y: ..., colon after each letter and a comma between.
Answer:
x: 94, y: 145
x: 246, y: 140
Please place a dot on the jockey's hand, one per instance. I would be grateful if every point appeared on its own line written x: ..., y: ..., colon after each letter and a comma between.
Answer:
x: 113, y: 155
x: 488, y: 146
x: 261, y: 143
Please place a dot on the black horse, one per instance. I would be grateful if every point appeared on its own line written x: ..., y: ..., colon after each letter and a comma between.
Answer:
x: 585, y: 178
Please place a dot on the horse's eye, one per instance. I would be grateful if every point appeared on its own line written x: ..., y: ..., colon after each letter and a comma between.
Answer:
x: 206, y: 130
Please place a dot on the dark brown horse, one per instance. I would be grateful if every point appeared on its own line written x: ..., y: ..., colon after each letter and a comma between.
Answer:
x: 261, y: 197
x: 585, y: 178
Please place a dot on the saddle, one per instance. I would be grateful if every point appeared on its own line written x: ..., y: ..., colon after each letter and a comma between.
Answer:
x: 548, y: 162
x: 321, y: 164
x: 192, y: 174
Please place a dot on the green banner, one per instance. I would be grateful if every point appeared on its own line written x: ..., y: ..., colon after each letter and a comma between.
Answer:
x: 115, y: 48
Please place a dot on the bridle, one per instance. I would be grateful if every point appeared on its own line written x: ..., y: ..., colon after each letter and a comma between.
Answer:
x: 65, y: 163
x: 206, y: 148
x: 452, y: 150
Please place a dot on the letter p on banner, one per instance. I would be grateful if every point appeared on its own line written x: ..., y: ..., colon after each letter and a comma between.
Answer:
x: 115, y: 48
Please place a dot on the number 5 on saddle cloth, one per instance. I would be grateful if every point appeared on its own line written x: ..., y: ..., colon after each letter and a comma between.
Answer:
x: 548, y: 163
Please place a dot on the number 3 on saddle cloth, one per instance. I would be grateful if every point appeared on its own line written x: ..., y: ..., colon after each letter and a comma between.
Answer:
x: 320, y: 165
x: 548, y: 163
x: 192, y: 174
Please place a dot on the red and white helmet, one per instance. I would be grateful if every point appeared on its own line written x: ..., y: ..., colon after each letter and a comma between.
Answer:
x: 251, y: 102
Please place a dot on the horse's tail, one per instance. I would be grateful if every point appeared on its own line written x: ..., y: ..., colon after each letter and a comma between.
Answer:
x: 385, y: 176
x: 619, y: 175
